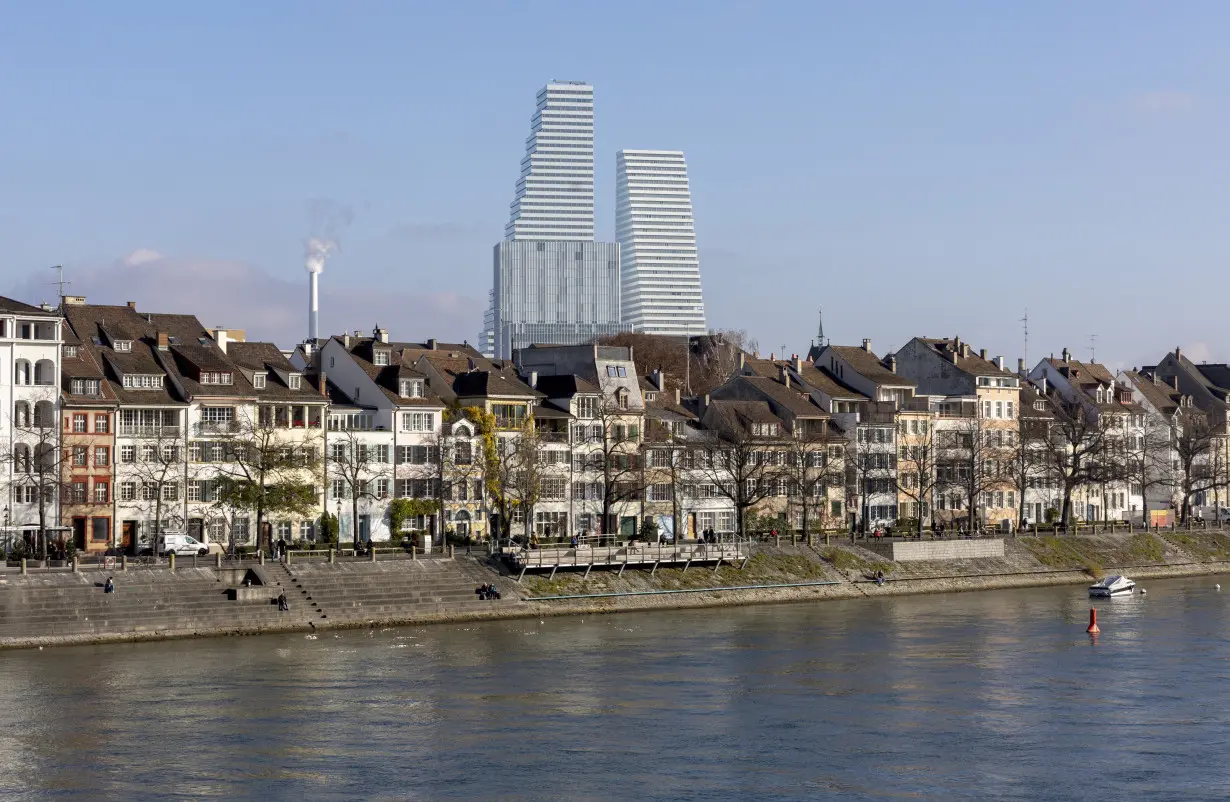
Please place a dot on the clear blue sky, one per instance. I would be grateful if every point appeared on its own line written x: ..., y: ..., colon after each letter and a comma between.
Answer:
x: 914, y: 168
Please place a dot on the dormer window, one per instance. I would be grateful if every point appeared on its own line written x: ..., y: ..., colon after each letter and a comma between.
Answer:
x: 122, y: 345
x: 85, y: 386
x: 621, y: 397
x: 411, y: 388
x: 258, y: 381
x: 1099, y: 395
x: 70, y: 351
x: 296, y: 381
x: 142, y: 381
x: 764, y: 429
x: 651, y: 396
x: 380, y: 357
x: 587, y: 406
x: 217, y: 377
x: 1040, y: 406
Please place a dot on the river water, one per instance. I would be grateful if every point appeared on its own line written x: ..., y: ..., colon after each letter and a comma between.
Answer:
x: 982, y: 695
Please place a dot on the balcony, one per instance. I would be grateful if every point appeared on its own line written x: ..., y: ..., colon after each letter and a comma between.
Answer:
x: 215, y: 427
x: 148, y: 430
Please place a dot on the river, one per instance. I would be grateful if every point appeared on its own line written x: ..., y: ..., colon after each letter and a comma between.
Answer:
x: 996, y: 694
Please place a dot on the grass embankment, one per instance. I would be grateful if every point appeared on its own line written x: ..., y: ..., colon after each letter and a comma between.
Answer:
x: 1091, y: 554
x: 845, y: 560
x: 762, y: 569
x: 1206, y: 546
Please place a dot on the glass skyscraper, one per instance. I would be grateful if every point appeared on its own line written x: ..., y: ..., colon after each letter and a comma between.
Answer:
x: 552, y: 284
x: 660, y: 268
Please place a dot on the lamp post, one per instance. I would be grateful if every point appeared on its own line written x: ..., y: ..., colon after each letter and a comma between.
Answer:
x: 8, y: 536
x: 337, y: 521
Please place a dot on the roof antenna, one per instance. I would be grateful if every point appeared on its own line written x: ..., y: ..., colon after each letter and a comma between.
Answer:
x: 1093, y: 348
x: 1025, y: 327
x: 60, y: 282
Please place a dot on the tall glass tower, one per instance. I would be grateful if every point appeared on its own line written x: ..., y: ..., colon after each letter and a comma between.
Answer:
x: 555, y: 193
x: 552, y: 284
x: 659, y: 267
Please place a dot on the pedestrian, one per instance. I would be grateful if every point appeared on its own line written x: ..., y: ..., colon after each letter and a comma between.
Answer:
x: 109, y: 587
x: 283, y: 603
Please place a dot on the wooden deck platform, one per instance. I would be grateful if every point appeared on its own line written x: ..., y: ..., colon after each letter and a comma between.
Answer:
x: 641, y: 555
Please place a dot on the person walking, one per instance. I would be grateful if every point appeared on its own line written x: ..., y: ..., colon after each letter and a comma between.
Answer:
x: 109, y: 587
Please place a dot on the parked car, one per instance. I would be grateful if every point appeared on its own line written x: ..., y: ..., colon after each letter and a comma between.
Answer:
x: 180, y: 545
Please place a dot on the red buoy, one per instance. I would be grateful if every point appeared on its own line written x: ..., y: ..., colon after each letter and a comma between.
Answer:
x: 1093, y: 621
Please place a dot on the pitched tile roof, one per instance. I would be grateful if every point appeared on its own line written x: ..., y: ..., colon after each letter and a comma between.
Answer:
x: 870, y: 367
x: 973, y: 363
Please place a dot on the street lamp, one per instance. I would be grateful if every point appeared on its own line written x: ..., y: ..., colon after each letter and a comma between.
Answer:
x: 337, y: 523
x: 8, y: 536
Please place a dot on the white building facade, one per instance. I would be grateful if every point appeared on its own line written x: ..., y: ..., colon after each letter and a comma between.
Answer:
x: 659, y: 265
x: 555, y: 193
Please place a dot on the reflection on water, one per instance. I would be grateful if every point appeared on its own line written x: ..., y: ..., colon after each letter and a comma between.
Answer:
x: 997, y: 694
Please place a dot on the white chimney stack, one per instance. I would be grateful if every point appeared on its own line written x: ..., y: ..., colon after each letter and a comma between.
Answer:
x: 317, y: 251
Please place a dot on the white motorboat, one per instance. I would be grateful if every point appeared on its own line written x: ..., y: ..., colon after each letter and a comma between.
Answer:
x: 1113, y: 586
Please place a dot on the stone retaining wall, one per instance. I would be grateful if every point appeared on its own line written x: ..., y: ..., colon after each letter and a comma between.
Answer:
x: 940, y: 550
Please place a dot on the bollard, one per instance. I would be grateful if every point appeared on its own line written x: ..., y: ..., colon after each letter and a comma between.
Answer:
x: 414, y: 552
x: 450, y: 551
x: 218, y: 560
x: 123, y: 562
x: 1093, y: 621
x: 194, y: 561
x: 74, y: 565
x: 171, y: 561
x: 288, y: 558
x: 260, y: 555
x: 331, y: 554
x: 372, y: 551
x: 23, y: 566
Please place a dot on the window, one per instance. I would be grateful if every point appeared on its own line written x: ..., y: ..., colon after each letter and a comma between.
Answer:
x: 170, y: 491
x: 149, y: 453
x: 463, y: 453
x: 307, y: 530
x: 101, y: 530
x: 258, y: 381
x: 296, y: 381
x: 102, y: 456
x: 660, y: 492
x: 85, y: 386
x: 102, y: 492
x: 136, y: 381
x: 999, y: 409
x: 217, y: 377
x: 1008, y: 408
x: 81, y: 423
x: 380, y: 357
x: 102, y: 423
x: 217, y: 414
x: 417, y: 422
x: 554, y: 489
x: 621, y: 397
x: 411, y: 388
x: 24, y: 494
x: 128, y: 491
x: 587, y: 406
x: 70, y: 351
x: 338, y: 452
x: 337, y: 489
x: 380, y: 488
x: 195, y: 490
x: 76, y: 493
x: 122, y: 345
x: 80, y: 456
x: 128, y: 453
x: 149, y: 491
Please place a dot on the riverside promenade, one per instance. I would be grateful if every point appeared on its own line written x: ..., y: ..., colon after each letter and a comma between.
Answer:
x: 58, y: 606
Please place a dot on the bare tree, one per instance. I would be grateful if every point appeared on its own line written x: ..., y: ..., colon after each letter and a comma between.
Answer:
x: 456, y: 465
x: 917, y: 469
x: 1145, y: 460
x: 266, y: 471
x: 975, y: 459
x: 38, y: 464
x: 1025, y: 465
x: 154, y: 464
x: 511, y: 474
x: 364, y: 468
x: 811, y: 471
x: 743, y: 466
x: 618, y: 458
x: 1075, y: 451
x: 1198, y: 447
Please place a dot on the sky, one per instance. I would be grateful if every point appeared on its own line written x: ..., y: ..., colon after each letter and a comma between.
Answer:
x: 931, y: 169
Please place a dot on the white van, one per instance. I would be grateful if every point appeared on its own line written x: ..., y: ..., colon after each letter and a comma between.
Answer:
x: 180, y: 545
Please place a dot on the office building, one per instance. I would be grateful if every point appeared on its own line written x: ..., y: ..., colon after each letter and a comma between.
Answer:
x: 659, y: 267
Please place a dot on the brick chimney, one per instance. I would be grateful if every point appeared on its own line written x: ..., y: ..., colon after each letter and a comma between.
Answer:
x: 742, y: 358
x: 164, y: 341
x: 1067, y: 355
x: 892, y: 363
x: 382, y: 335
x: 982, y: 353
x: 324, y: 384
x: 221, y: 336
x: 783, y: 375
x: 1178, y: 354
x: 867, y: 345
x: 346, y: 341
x: 797, y: 363
x: 132, y: 305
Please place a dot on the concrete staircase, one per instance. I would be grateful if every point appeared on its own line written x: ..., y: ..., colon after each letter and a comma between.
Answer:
x: 394, y: 591
x: 189, y: 601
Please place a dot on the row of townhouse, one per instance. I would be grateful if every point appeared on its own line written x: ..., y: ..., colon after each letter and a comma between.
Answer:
x: 121, y: 423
